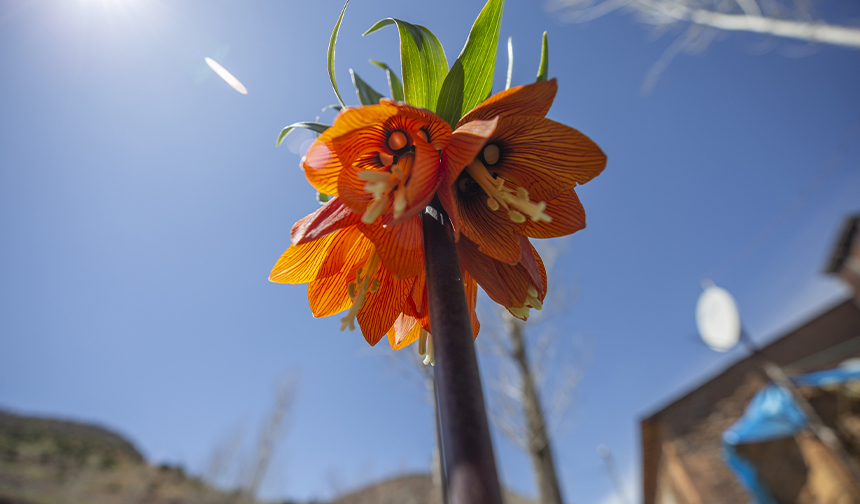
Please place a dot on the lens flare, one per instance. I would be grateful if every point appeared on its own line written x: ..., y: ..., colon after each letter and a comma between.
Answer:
x: 227, y: 76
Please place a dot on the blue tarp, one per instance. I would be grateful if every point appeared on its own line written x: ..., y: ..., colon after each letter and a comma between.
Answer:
x: 772, y: 414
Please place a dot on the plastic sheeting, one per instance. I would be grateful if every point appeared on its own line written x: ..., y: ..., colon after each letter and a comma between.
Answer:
x: 773, y: 414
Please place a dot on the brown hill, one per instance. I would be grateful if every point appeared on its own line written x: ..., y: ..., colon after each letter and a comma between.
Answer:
x: 409, y: 489
x: 47, y: 461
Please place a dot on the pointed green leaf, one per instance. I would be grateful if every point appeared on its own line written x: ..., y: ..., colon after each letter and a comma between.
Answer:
x: 366, y: 94
x: 336, y: 107
x: 394, y: 84
x: 313, y: 126
x: 422, y: 62
x: 543, y: 70
x: 331, y: 44
x: 510, y: 63
x: 471, y: 76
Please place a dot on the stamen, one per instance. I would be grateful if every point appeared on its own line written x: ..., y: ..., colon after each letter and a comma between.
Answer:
x: 399, y: 202
x: 521, y: 312
x: 506, y: 197
x: 532, y: 298
x: 363, y: 287
x: 492, y: 203
x: 374, y: 210
x: 374, y: 175
x: 374, y: 286
x: 423, y: 135
x: 385, y: 159
x: 351, y: 290
x: 397, y: 140
x: 427, y: 349
x: 516, y: 216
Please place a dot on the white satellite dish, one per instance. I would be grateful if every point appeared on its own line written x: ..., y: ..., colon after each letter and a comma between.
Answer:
x: 718, y: 319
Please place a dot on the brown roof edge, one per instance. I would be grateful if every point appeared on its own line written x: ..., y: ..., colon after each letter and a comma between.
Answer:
x: 711, y: 377
x: 842, y: 250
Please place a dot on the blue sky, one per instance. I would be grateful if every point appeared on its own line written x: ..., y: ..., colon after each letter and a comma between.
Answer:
x: 143, y: 203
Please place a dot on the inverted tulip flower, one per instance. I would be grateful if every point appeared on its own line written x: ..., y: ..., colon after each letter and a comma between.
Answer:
x: 521, y: 182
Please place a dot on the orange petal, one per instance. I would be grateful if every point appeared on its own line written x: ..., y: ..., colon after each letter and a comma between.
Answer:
x: 493, y: 232
x: 330, y: 217
x: 446, y: 198
x: 545, y: 157
x: 382, y: 307
x: 404, y: 332
x: 530, y: 100
x: 423, y: 181
x: 301, y: 263
x: 466, y: 143
x: 355, y: 130
x: 350, y: 248
x: 471, y: 288
x: 400, y: 246
x: 530, y: 261
x: 329, y: 295
x: 504, y: 283
x: 567, y: 214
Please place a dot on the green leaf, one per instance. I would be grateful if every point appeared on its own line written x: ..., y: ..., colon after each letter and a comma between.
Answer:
x: 422, y: 62
x: 322, y: 198
x: 543, y: 70
x: 313, y: 126
x: 510, y: 63
x: 331, y: 44
x: 394, y: 84
x: 471, y: 76
x: 366, y: 94
x: 336, y: 107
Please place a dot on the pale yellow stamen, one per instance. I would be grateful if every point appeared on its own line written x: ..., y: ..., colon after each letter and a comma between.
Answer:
x: 501, y: 195
x: 399, y: 202
x: 364, y: 285
x: 379, y: 185
x: 425, y: 347
x: 532, y: 301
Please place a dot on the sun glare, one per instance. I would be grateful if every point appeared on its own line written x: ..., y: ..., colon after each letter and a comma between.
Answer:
x: 227, y: 76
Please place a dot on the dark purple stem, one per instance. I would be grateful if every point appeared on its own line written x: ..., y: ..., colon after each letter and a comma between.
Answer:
x: 470, y: 467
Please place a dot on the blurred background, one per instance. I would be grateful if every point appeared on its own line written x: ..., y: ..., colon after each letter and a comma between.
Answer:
x: 143, y: 203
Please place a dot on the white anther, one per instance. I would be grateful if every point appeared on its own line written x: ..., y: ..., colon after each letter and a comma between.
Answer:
x: 492, y: 203
x: 374, y: 210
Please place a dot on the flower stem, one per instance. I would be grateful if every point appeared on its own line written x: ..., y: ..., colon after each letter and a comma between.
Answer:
x: 470, y: 467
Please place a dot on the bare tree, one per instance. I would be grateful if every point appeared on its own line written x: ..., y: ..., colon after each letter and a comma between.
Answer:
x: 704, y: 19
x: 517, y: 404
x: 250, y: 472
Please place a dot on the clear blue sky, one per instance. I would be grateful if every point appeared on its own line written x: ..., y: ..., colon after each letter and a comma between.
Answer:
x: 143, y: 203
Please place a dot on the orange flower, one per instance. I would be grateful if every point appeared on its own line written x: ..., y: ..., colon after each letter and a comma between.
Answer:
x: 383, y: 160
x: 383, y: 163
x: 346, y: 270
x: 521, y: 182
